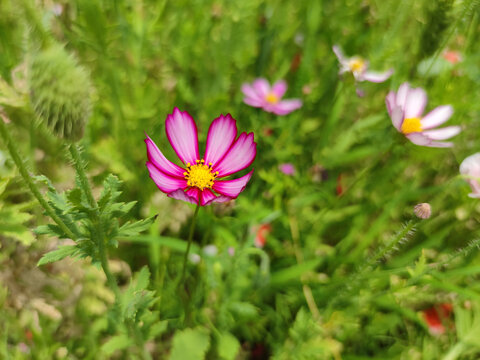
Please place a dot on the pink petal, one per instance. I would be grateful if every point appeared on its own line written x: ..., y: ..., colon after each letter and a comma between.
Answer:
x: 160, y: 161
x: 471, y: 166
x: 219, y: 199
x: 279, y: 88
x: 164, y: 182
x: 437, y: 117
x: 206, y: 197
x: 261, y: 87
x: 419, y: 139
x: 286, y: 106
x: 390, y: 102
x: 415, y: 103
x: 240, y: 155
x: 402, y: 94
x: 338, y: 51
x: 443, y: 133
x: 397, y: 118
x: 232, y: 188
x: 221, y: 135
x: 182, y: 134
x: 440, y: 144
x: 250, y: 92
x: 377, y: 77
x: 254, y: 102
x: 189, y: 196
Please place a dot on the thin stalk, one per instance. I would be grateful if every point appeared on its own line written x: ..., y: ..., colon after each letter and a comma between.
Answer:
x: 29, y: 181
x: 190, y: 238
x: 112, y: 283
x: 85, y: 185
x: 79, y: 166
x: 307, y: 291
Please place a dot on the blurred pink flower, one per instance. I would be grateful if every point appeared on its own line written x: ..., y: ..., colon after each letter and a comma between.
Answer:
x: 406, y: 107
x: 224, y: 156
x: 470, y: 169
x: 359, y: 68
x: 452, y: 56
x: 287, y: 169
x: 260, y: 94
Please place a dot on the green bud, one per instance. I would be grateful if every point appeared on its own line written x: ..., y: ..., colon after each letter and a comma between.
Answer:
x: 60, y: 92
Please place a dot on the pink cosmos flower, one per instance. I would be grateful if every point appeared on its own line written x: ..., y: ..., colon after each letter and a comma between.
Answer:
x: 406, y: 108
x: 224, y: 156
x: 470, y: 169
x: 359, y: 68
x: 261, y: 95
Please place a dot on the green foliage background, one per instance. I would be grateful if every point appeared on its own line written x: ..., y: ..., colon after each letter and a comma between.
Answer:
x: 341, y: 276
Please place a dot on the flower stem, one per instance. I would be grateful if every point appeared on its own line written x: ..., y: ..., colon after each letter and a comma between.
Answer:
x: 112, y: 282
x: 79, y: 166
x: 99, y: 236
x: 29, y: 181
x: 190, y: 238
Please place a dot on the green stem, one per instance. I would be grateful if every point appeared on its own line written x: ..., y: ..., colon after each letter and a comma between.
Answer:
x: 190, y: 238
x: 79, y: 166
x: 85, y: 186
x: 29, y: 181
x: 112, y: 283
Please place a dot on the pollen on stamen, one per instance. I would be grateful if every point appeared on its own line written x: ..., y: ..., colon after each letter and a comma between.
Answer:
x: 200, y: 175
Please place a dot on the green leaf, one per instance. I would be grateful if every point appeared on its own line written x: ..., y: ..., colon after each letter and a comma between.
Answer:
x: 191, y: 344
x: 56, y: 255
x: 170, y: 242
x: 228, y: 346
x: 118, y: 342
x: 50, y: 229
x: 134, y: 228
x: 294, y: 272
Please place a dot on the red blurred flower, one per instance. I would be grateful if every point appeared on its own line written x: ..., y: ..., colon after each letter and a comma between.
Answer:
x: 261, y: 235
x: 436, y: 317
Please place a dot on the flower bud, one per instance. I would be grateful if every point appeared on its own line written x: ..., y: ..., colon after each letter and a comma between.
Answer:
x: 423, y: 210
x: 60, y: 92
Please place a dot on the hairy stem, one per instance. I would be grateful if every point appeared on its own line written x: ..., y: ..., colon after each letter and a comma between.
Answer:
x: 29, y: 181
x: 79, y: 166
x: 85, y: 186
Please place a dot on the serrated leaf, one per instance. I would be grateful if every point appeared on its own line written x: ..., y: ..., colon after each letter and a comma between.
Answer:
x: 57, y: 255
x: 110, y: 192
x: 76, y: 198
x: 46, y: 181
x: 49, y: 229
x: 142, y: 279
x: 132, y: 229
x: 227, y: 346
x: 115, y: 343
x: 120, y: 209
x: 191, y: 344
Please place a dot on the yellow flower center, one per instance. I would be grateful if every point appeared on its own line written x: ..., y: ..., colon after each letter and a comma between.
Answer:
x: 272, y: 98
x: 357, y: 64
x: 200, y: 175
x: 411, y: 125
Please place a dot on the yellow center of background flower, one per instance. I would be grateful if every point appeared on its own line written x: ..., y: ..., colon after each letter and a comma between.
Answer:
x: 200, y: 175
x: 271, y: 98
x: 411, y: 125
x: 356, y: 64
